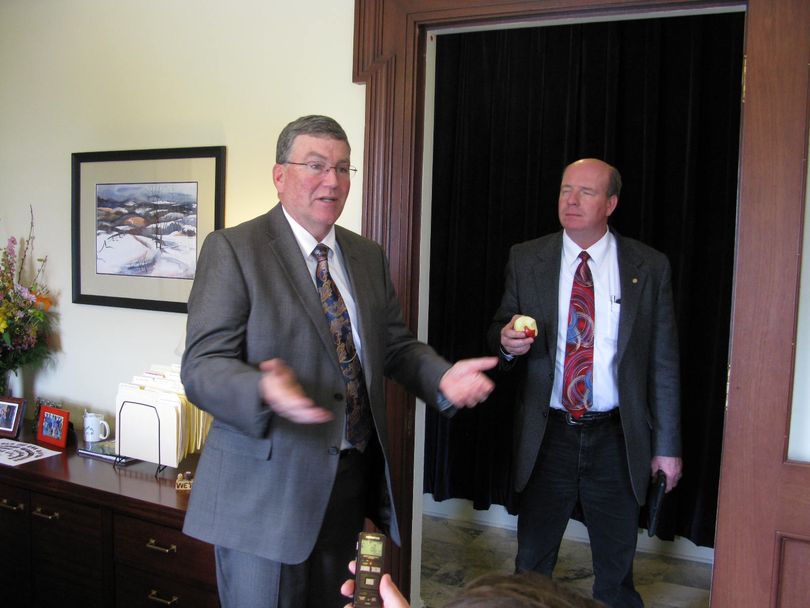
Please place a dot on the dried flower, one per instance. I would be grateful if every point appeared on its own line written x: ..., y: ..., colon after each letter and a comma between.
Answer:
x: 25, y: 320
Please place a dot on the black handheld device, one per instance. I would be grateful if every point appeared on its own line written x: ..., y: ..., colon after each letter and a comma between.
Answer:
x: 368, y: 569
x: 655, y: 497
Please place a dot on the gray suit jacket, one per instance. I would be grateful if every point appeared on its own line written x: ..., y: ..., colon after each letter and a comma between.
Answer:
x: 263, y: 482
x: 648, y: 366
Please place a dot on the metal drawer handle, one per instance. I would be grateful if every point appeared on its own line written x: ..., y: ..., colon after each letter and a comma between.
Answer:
x: 154, y: 597
x: 152, y: 544
x: 40, y: 513
x: 5, y: 504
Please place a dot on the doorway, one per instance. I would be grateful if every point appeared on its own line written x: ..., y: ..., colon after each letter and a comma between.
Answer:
x: 659, y: 97
x: 761, y: 493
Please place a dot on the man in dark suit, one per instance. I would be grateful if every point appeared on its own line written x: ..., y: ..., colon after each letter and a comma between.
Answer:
x: 598, y: 406
x: 284, y: 337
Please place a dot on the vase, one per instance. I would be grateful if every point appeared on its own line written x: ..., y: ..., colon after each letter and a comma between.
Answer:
x: 5, y: 389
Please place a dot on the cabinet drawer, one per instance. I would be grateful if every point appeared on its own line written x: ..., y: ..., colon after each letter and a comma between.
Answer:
x: 13, y: 499
x: 136, y: 588
x: 14, y: 532
x: 157, y: 548
x: 15, y: 546
x: 66, y: 551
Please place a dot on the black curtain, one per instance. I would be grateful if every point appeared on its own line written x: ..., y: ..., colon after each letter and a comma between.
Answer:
x: 659, y: 99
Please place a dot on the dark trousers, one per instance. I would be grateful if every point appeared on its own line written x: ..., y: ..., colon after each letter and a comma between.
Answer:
x: 249, y: 581
x: 588, y: 465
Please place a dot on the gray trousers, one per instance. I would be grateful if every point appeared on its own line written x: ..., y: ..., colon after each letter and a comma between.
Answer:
x: 245, y: 580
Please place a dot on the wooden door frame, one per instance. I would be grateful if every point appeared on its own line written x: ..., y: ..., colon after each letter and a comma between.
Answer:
x: 389, y: 52
x: 764, y: 498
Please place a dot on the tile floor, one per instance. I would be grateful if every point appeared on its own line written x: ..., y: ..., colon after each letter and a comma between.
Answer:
x: 454, y: 552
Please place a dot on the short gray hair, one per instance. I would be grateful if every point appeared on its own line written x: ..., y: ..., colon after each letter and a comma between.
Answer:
x: 615, y: 183
x: 315, y: 125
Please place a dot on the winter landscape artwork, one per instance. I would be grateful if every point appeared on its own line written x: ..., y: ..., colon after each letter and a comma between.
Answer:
x: 139, y: 218
x: 147, y: 230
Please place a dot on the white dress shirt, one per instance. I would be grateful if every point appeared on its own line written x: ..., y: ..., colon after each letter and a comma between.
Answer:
x: 604, y: 265
x: 337, y: 270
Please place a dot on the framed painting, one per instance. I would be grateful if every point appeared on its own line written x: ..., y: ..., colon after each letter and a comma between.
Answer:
x: 139, y: 218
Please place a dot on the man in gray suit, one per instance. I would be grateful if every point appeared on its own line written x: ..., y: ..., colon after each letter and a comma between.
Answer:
x: 594, y: 435
x: 272, y: 352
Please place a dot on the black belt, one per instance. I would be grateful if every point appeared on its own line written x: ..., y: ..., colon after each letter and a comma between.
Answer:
x: 587, y: 419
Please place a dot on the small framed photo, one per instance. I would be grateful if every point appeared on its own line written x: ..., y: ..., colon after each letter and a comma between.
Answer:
x: 11, y: 415
x: 53, y: 426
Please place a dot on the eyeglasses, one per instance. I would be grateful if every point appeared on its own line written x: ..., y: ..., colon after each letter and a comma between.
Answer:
x: 317, y: 168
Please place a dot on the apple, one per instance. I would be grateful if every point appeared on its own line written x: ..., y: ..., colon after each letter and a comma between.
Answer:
x: 527, y: 325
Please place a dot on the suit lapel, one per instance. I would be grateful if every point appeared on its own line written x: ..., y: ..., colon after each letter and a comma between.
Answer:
x: 546, y: 274
x: 633, y: 275
x: 286, y: 250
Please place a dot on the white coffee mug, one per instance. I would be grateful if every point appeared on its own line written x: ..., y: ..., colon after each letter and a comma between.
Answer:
x: 95, y: 428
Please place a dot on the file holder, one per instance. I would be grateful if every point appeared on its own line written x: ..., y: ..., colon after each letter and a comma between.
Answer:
x: 120, y: 431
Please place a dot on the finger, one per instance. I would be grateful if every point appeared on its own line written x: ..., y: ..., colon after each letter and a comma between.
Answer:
x: 275, y: 365
x: 308, y: 415
x: 389, y: 593
x: 296, y: 407
x: 347, y: 588
x: 672, y: 482
x: 482, y: 363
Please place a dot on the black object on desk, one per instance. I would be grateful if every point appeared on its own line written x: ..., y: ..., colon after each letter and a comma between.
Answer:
x: 104, y: 450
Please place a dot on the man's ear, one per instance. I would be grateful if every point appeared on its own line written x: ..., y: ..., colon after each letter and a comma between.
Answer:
x: 613, y: 201
x: 278, y: 177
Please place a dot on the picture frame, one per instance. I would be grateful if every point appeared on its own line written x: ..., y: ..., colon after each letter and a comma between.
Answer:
x: 12, y: 411
x: 138, y: 220
x: 53, y: 426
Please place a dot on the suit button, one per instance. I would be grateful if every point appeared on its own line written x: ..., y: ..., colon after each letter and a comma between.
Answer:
x: 339, y: 397
x: 334, y: 450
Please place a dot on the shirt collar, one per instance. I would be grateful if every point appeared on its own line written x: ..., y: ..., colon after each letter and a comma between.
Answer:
x: 305, y: 240
x: 597, y: 252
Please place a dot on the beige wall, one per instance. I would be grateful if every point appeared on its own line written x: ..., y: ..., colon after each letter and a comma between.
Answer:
x: 96, y: 75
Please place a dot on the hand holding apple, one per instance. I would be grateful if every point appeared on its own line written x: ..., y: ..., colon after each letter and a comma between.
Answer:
x: 518, y: 335
x: 527, y: 325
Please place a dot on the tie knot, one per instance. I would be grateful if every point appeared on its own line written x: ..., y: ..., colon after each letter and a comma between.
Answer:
x: 582, y: 256
x: 320, y: 252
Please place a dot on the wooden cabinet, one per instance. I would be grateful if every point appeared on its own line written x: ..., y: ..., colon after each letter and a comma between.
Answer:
x: 76, y: 532
x: 156, y: 564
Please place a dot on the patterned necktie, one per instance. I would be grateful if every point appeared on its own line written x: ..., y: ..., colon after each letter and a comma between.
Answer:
x: 358, y: 412
x: 578, y: 371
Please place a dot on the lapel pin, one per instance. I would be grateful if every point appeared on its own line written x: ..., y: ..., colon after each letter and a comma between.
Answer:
x: 635, y: 280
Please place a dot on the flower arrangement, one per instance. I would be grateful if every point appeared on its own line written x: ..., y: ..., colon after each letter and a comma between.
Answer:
x: 25, y: 320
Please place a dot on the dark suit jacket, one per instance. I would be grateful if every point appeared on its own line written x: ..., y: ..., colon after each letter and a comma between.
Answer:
x: 263, y: 482
x: 648, y: 368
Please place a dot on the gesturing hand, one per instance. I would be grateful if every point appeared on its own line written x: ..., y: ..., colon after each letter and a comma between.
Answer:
x: 286, y: 397
x: 465, y: 384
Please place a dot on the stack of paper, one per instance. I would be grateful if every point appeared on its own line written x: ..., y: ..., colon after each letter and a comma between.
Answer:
x: 154, y: 420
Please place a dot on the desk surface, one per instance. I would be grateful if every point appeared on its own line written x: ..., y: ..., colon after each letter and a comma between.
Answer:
x: 131, y: 489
